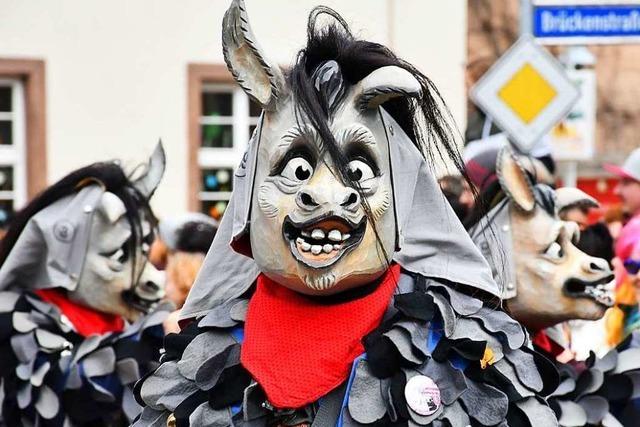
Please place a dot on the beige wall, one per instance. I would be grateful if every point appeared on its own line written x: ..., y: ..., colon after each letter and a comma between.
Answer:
x: 116, y: 70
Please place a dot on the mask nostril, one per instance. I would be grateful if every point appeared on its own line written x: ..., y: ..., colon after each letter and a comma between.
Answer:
x: 595, y: 267
x: 307, y: 200
x: 151, y: 286
x: 351, y: 200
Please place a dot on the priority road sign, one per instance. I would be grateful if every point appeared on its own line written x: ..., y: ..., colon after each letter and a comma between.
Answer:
x: 526, y: 92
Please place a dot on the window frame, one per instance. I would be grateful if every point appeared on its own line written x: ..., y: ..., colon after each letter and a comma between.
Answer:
x: 15, y: 155
x: 214, y: 78
x: 31, y: 74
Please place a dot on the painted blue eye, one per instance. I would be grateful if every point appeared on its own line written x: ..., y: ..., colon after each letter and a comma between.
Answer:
x: 297, y: 169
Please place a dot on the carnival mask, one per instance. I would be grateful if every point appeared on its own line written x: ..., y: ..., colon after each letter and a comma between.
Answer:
x: 117, y: 276
x: 336, y: 182
x: 554, y: 280
x: 89, y: 235
x: 309, y: 228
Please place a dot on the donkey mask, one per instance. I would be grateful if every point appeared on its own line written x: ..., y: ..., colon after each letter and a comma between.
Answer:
x: 332, y: 189
x: 546, y: 278
x: 90, y: 241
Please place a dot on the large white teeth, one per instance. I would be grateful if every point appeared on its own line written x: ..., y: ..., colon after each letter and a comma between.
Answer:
x: 303, y: 245
x: 316, y: 249
x: 346, y: 236
x: 317, y: 234
x: 337, y: 246
x: 335, y: 236
x: 327, y: 248
x: 305, y: 233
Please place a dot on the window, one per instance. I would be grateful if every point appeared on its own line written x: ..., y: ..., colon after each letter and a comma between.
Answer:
x: 227, y: 120
x: 23, y: 154
x: 221, y: 121
x: 13, y: 175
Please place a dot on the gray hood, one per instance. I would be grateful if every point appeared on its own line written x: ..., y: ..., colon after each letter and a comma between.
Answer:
x: 51, y: 249
x: 431, y: 240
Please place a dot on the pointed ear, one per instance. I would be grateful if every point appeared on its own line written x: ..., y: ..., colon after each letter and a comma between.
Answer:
x: 386, y: 83
x: 514, y: 180
x: 259, y: 78
x: 149, y: 180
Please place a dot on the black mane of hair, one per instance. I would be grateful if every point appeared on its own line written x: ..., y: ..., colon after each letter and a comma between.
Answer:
x: 545, y: 198
x: 426, y: 121
x: 108, y: 174
x: 484, y: 202
x: 357, y: 58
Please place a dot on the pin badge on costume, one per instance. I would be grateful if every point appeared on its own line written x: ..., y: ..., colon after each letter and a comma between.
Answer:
x: 422, y: 395
x: 63, y: 231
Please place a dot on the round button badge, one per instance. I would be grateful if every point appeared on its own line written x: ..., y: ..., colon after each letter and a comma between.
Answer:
x: 63, y: 230
x: 422, y: 395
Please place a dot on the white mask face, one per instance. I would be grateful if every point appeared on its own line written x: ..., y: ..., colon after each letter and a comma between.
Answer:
x: 309, y: 230
x: 105, y: 283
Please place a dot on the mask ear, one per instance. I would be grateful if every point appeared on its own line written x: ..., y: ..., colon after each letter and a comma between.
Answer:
x: 149, y: 180
x: 247, y: 63
x: 384, y: 84
x: 514, y: 180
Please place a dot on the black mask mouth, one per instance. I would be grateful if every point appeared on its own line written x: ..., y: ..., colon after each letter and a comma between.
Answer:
x: 600, y: 291
x: 144, y: 304
x: 321, y: 242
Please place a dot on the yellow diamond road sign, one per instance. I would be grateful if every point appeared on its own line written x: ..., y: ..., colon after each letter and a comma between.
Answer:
x: 526, y: 92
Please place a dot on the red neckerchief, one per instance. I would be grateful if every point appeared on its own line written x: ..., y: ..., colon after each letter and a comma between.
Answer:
x: 297, y: 348
x: 85, y: 320
x: 542, y: 340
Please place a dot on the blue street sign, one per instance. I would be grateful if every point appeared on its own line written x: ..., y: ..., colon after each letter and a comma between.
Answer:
x: 586, y: 23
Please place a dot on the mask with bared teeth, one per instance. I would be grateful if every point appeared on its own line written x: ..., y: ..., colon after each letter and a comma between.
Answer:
x: 309, y: 228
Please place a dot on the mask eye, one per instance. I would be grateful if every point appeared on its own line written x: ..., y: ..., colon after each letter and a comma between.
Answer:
x: 120, y: 255
x: 360, y: 171
x: 554, y: 251
x: 297, y: 169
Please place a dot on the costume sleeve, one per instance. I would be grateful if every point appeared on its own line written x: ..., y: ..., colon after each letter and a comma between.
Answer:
x: 474, y: 361
x: 200, y: 381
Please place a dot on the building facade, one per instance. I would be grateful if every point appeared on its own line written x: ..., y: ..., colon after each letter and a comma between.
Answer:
x: 89, y: 80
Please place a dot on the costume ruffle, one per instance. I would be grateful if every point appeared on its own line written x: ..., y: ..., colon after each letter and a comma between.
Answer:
x: 479, y: 358
x: 601, y: 391
x: 52, y: 376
